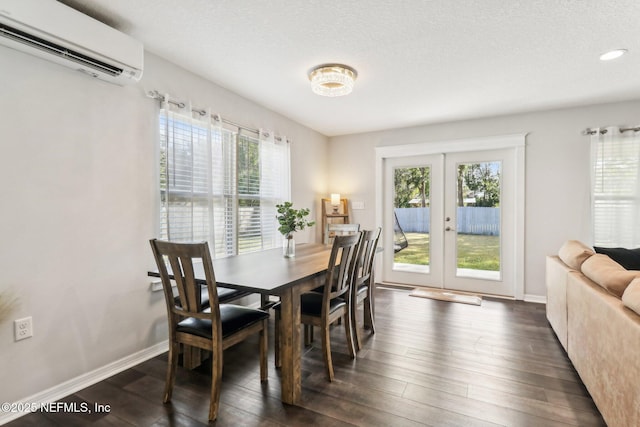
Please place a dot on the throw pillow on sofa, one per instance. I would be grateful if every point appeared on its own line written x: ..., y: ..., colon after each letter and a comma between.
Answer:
x: 631, y: 296
x: 628, y: 258
x: 608, y: 273
x: 574, y: 253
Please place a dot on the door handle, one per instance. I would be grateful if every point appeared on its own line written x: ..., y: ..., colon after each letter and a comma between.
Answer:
x: 448, y: 229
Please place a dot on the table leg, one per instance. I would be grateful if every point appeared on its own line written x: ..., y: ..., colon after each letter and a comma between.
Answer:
x: 290, y: 345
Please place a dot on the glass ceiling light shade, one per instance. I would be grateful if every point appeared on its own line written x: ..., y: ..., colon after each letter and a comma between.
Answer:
x: 332, y: 79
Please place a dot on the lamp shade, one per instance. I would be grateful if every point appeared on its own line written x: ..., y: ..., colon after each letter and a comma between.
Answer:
x: 335, y: 199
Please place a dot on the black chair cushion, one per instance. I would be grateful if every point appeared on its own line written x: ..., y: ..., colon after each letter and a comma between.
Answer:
x: 224, y: 295
x: 233, y: 317
x: 228, y: 294
x: 311, y: 304
x: 362, y: 289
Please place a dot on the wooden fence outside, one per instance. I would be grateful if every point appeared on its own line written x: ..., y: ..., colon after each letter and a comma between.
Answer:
x: 469, y: 220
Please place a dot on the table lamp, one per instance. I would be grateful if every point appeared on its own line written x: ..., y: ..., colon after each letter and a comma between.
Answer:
x: 335, y: 202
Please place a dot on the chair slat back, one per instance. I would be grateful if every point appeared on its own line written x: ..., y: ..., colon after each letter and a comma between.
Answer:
x: 338, y: 273
x: 365, y: 256
x: 178, y: 259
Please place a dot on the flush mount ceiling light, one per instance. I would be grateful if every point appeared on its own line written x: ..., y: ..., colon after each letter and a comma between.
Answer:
x: 332, y: 79
x: 612, y: 54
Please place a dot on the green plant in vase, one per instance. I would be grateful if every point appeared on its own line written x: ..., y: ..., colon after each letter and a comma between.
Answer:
x: 291, y: 220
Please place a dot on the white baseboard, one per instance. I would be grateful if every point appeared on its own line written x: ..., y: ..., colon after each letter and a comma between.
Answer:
x: 73, y: 385
x: 539, y: 299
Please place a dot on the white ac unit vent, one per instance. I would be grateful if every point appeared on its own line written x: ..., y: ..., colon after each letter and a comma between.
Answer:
x: 58, y: 33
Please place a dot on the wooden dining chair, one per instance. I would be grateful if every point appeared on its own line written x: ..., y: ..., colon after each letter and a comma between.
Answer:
x: 362, y: 283
x: 215, y: 328
x: 323, y: 308
x: 193, y: 357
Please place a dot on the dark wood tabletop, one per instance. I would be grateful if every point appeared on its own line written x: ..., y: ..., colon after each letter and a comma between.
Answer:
x: 268, y: 272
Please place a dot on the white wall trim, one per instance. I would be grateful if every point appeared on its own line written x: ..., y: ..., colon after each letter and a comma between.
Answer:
x: 538, y: 299
x: 520, y: 218
x: 452, y: 146
x: 439, y: 147
x: 85, y: 380
x: 514, y: 141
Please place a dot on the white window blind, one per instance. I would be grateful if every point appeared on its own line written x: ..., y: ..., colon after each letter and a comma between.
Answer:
x: 616, y: 188
x: 219, y: 185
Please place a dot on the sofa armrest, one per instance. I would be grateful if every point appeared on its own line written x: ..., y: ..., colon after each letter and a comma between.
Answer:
x: 556, y: 280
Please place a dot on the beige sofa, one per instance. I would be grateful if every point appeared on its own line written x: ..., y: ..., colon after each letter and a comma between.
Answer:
x: 593, y: 305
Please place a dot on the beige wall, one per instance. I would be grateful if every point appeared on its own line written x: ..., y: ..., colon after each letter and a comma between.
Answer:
x: 557, y: 171
x: 78, y: 206
x: 78, y: 201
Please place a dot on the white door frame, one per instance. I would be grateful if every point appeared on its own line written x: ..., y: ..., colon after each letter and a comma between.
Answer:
x: 433, y: 273
x: 515, y: 141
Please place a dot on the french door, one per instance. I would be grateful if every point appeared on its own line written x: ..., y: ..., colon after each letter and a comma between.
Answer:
x: 452, y: 219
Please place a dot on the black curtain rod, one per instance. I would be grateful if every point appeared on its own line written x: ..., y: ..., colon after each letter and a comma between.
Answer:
x: 589, y: 131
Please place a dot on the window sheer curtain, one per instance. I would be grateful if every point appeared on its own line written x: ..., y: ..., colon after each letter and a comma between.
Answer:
x: 615, y: 182
x: 217, y: 184
x: 275, y: 183
x: 262, y: 182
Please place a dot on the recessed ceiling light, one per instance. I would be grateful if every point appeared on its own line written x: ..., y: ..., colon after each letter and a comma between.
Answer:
x: 612, y: 54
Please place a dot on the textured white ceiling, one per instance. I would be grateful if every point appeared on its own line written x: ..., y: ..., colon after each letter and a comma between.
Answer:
x: 418, y: 61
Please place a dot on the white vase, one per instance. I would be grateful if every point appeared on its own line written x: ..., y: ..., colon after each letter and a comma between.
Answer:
x: 289, y: 247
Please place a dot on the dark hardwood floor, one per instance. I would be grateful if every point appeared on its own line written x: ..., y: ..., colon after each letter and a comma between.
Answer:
x: 430, y: 363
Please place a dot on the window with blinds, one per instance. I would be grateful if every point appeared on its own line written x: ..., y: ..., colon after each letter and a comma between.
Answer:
x: 220, y: 185
x: 616, y: 189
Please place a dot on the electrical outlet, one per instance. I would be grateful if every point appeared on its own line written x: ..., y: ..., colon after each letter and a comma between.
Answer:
x: 23, y: 328
x: 155, y: 285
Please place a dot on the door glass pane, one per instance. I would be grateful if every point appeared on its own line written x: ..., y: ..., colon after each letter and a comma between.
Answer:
x: 412, y: 219
x: 478, y: 220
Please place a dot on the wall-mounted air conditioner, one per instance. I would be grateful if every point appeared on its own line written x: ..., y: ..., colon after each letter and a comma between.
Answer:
x: 58, y: 33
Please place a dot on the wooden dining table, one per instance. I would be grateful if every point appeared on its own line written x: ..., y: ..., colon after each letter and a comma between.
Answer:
x: 270, y: 273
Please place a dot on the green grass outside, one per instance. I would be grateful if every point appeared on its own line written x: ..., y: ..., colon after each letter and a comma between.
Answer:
x: 474, y: 251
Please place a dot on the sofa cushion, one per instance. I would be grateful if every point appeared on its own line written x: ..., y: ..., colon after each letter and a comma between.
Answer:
x: 628, y: 258
x: 609, y: 274
x: 574, y: 253
x: 631, y: 296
